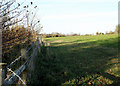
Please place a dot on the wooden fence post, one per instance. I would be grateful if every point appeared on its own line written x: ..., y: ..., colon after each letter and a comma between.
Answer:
x: 23, y: 59
x: 23, y: 50
x: 31, y: 64
x: 3, y: 73
x: 32, y: 58
x: 48, y: 49
x: 40, y: 39
x: 38, y: 44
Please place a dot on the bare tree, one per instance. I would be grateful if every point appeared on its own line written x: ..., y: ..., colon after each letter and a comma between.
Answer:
x: 13, y: 14
x: 9, y: 11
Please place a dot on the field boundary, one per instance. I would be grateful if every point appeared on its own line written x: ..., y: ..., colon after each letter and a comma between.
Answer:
x: 16, y: 74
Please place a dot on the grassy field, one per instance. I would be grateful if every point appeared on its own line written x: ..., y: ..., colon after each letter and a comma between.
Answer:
x: 79, y: 60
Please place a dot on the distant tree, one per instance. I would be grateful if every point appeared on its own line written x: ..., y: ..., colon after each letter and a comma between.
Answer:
x: 117, y: 29
x: 97, y: 33
x: 111, y: 32
x: 102, y: 33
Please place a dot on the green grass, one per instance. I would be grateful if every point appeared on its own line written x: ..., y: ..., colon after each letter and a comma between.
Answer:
x: 80, y: 60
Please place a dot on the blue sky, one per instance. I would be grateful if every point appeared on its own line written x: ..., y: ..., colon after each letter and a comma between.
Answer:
x: 77, y: 16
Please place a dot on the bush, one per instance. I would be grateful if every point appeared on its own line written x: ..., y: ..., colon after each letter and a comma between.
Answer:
x: 13, y: 39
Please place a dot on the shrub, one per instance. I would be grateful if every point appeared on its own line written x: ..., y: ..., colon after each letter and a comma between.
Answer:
x: 13, y: 39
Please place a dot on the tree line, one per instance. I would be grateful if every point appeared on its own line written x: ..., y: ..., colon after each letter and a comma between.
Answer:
x: 116, y: 31
x: 53, y: 34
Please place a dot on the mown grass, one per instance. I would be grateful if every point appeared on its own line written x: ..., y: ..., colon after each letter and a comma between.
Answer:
x: 79, y: 60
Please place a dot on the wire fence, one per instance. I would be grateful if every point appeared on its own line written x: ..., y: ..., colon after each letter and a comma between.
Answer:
x: 16, y: 74
x: 18, y: 58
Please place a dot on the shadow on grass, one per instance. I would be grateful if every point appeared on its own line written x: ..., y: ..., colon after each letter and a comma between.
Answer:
x: 78, y: 63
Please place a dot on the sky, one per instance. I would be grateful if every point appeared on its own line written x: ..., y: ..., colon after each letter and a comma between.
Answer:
x: 77, y: 16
